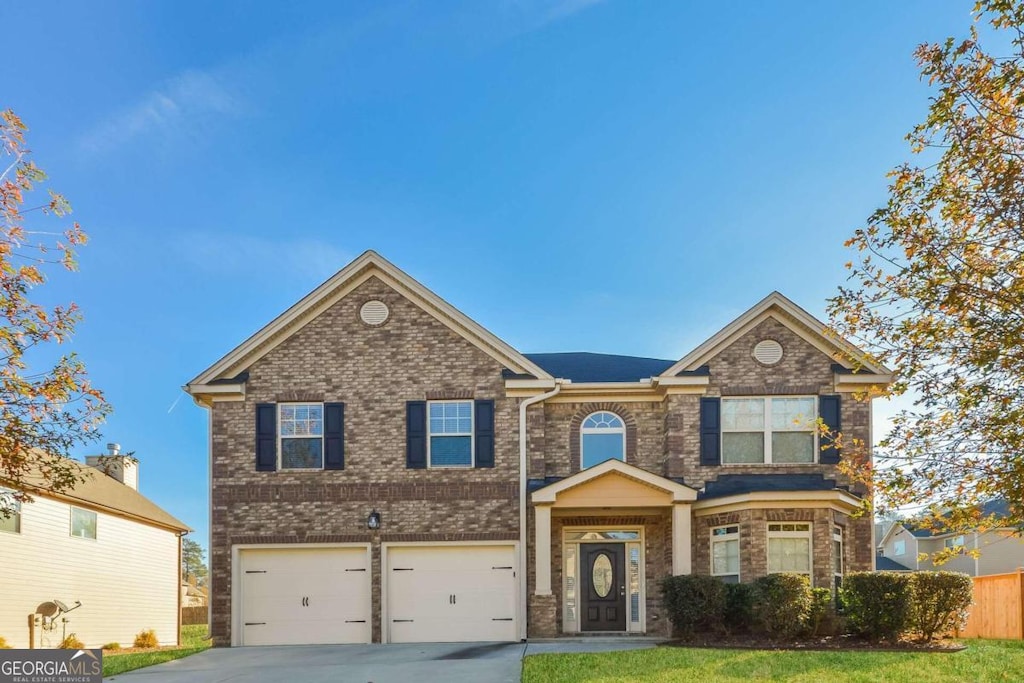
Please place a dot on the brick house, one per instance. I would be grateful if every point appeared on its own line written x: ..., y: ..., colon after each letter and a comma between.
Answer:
x: 383, y: 469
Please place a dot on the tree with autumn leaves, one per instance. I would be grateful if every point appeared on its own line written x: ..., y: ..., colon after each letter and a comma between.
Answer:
x: 47, y: 404
x: 936, y: 290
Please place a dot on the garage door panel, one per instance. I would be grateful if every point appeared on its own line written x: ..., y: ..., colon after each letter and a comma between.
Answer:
x: 305, y: 596
x: 451, y: 594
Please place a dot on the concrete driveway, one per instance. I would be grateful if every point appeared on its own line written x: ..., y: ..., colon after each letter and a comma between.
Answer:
x: 423, y: 663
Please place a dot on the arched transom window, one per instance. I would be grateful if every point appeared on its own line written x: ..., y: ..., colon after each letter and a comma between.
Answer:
x: 602, y: 437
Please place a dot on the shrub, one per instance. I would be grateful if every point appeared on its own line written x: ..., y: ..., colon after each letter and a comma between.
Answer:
x: 941, y: 601
x: 739, y: 603
x: 112, y: 646
x: 146, y: 639
x: 878, y: 604
x: 71, y: 642
x: 781, y: 604
x: 694, y: 602
x: 821, y: 617
x: 3, y: 644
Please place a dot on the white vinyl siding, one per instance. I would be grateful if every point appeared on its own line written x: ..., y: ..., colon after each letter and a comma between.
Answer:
x: 127, y: 579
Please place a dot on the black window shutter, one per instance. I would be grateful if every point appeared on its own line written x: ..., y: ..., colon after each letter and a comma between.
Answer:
x: 334, y: 436
x: 830, y: 409
x: 710, y: 431
x: 266, y: 437
x: 484, y: 432
x: 416, y: 435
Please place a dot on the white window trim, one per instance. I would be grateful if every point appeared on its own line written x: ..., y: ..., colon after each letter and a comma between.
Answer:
x: 603, y: 430
x: 808, y: 534
x: 471, y: 435
x: 16, y: 514
x: 640, y: 626
x: 837, y: 535
x: 71, y: 523
x: 734, y: 536
x: 281, y: 437
x: 766, y: 433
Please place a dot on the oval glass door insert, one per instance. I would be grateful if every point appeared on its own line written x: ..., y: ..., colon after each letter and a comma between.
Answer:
x: 602, y: 575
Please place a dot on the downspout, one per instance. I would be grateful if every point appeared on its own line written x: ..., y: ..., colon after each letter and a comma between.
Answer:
x: 523, y: 587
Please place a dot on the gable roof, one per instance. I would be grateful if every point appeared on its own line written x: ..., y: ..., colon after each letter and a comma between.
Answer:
x: 996, y: 507
x: 367, y: 265
x: 582, y: 366
x: 100, y: 491
x: 778, y: 307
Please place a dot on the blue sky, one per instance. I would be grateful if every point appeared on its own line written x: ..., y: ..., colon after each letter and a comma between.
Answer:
x: 612, y: 176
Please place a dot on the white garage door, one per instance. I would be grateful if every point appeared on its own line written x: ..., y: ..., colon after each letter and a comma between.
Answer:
x: 451, y: 594
x: 304, y: 596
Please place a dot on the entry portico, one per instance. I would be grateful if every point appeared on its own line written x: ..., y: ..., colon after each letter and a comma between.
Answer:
x: 611, y: 518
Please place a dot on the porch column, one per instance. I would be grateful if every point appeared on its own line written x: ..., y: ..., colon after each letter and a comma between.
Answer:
x: 680, y: 539
x: 542, y: 549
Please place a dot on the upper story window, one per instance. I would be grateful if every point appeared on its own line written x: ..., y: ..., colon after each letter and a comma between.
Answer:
x: 602, y: 437
x: 725, y: 553
x: 899, y: 548
x: 83, y: 523
x: 301, y: 435
x: 837, y: 556
x: 450, y: 428
x: 12, y: 520
x: 954, y: 543
x: 781, y: 430
x: 789, y: 548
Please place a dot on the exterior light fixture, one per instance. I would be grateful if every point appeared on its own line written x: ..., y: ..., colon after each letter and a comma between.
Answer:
x: 373, y: 521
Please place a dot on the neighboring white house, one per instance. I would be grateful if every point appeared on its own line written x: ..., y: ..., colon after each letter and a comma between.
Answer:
x: 999, y: 550
x: 101, y: 544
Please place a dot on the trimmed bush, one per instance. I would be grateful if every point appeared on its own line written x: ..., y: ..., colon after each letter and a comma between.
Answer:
x: 71, y: 642
x: 739, y: 605
x: 146, y: 639
x: 821, y: 618
x: 878, y: 605
x: 941, y: 602
x: 112, y: 646
x: 695, y: 603
x: 781, y: 604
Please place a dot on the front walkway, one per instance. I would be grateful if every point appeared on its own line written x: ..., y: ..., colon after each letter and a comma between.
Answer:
x: 422, y: 663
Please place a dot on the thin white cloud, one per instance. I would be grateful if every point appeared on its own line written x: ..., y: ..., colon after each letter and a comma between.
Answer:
x: 233, y: 254
x: 532, y: 15
x: 563, y: 9
x: 182, y: 107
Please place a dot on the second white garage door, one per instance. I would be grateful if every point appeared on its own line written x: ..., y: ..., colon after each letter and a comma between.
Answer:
x: 451, y: 594
x: 304, y: 596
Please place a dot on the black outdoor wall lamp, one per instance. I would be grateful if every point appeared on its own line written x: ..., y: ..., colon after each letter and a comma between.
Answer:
x: 373, y: 521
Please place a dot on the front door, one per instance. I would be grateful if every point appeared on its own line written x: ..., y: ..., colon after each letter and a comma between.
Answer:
x: 603, y: 586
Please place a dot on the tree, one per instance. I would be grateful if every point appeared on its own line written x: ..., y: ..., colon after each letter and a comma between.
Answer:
x: 936, y: 291
x: 192, y: 562
x: 47, y: 404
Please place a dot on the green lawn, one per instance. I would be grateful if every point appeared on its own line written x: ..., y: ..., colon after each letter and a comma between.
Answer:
x: 985, y: 660
x: 193, y: 639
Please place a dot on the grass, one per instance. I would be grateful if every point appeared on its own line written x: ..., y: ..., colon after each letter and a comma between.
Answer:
x: 982, y: 661
x: 194, y: 639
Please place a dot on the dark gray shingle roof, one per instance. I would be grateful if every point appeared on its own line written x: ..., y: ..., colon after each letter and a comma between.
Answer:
x: 582, y: 366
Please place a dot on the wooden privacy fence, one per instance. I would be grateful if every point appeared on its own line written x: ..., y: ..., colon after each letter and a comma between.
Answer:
x: 194, y: 615
x: 998, y: 610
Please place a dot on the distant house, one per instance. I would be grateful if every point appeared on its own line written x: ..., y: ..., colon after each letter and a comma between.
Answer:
x: 1000, y: 550
x: 101, y: 544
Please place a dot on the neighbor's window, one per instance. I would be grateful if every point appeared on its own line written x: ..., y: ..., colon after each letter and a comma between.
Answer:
x: 602, y: 437
x: 83, y: 523
x: 301, y: 428
x: 954, y: 543
x: 769, y: 430
x: 837, y: 556
x: 450, y: 426
x: 899, y: 548
x: 725, y: 553
x: 12, y: 520
x: 789, y: 548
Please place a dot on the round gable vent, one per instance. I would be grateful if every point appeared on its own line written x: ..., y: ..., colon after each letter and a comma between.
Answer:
x: 768, y: 352
x: 374, y: 312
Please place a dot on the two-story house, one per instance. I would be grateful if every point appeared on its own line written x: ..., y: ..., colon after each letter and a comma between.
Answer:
x: 383, y: 469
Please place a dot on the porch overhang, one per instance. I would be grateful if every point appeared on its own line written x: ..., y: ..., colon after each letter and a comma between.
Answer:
x: 611, y: 485
x: 835, y: 499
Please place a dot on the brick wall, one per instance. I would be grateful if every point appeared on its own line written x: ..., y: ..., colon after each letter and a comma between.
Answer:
x: 374, y: 370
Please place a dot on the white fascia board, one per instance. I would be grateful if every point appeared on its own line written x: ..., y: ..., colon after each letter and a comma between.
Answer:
x: 536, y: 384
x: 861, y: 381
x: 684, y: 381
